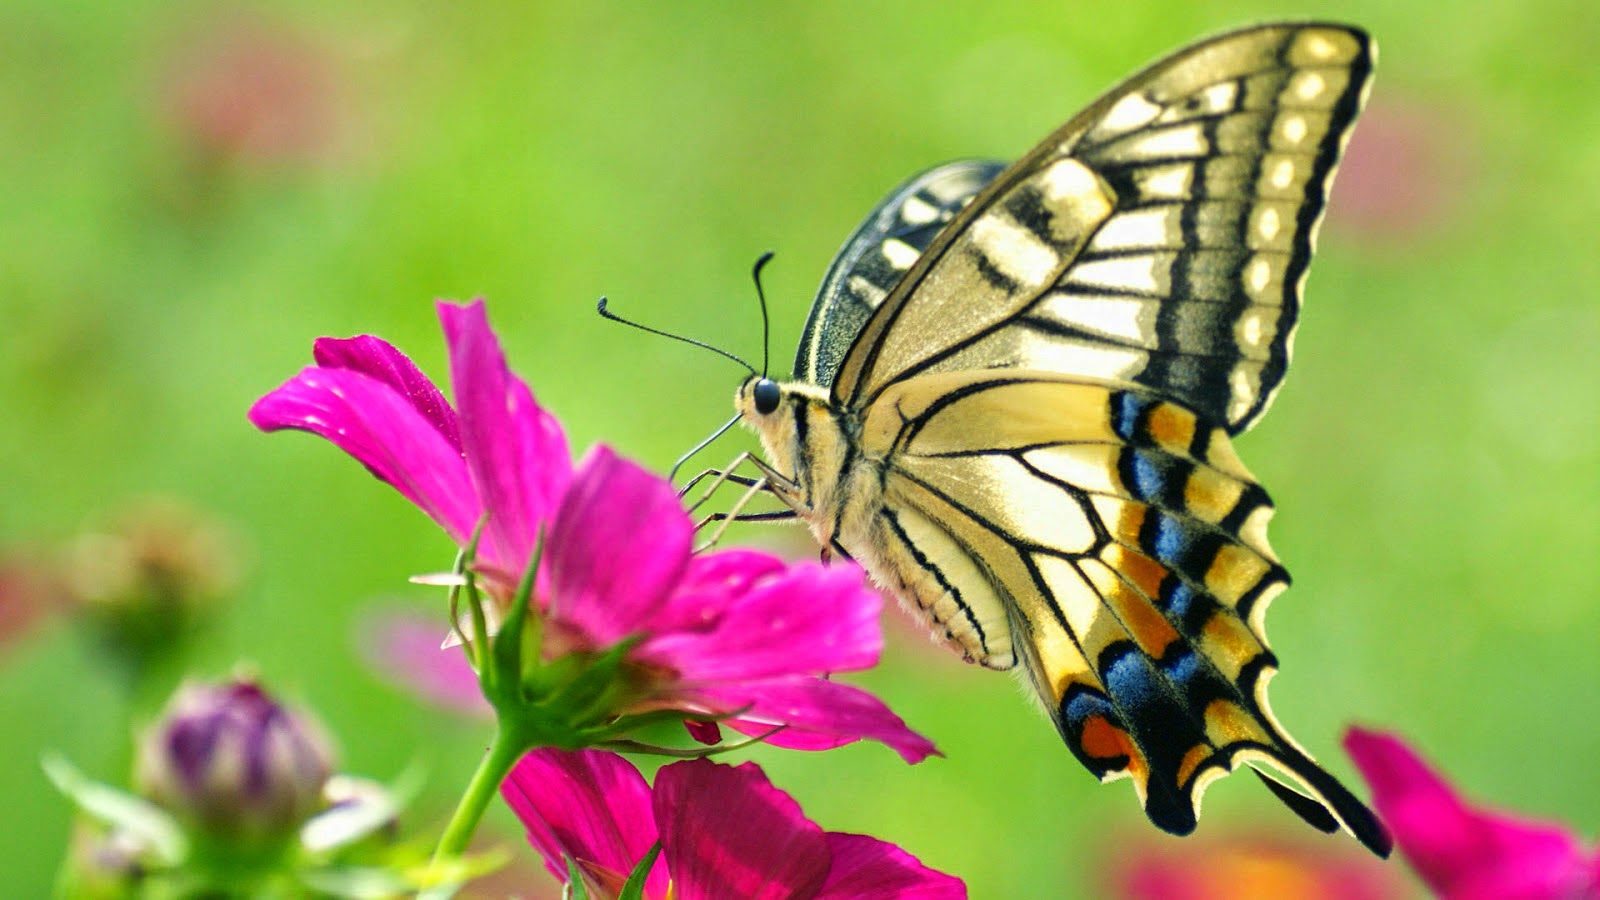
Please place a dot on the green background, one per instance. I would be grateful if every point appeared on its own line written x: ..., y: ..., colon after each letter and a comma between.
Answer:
x: 1435, y: 455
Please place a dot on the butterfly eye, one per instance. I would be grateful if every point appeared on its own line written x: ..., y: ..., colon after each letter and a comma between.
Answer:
x: 767, y: 395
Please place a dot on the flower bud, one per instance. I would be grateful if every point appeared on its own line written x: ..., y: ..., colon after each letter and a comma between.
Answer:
x: 146, y: 582
x: 233, y: 764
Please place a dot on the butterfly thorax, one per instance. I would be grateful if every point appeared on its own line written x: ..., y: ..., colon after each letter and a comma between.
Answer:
x: 829, y: 485
x: 832, y: 475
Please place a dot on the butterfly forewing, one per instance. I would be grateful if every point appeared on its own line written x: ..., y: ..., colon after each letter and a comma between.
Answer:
x: 877, y: 255
x: 1174, y: 255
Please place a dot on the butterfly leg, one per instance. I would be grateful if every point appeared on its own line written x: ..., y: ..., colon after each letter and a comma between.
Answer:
x: 773, y: 480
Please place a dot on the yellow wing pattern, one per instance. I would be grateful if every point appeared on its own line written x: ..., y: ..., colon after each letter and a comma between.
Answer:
x: 1160, y: 237
x: 1113, y: 543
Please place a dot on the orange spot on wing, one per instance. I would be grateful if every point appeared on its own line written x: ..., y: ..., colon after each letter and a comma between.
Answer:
x: 1102, y: 740
x: 1191, y: 761
x: 1138, y: 615
x: 1171, y: 427
x: 1145, y: 573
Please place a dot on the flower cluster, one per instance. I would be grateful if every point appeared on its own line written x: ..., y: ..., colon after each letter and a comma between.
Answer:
x: 722, y: 831
x: 588, y: 612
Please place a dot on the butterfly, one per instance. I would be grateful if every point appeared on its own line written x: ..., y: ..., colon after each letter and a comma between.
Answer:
x: 1015, y: 394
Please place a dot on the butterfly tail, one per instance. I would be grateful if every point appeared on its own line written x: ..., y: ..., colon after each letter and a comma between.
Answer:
x: 1327, y: 804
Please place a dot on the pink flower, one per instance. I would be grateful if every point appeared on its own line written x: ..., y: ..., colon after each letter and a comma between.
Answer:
x: 404, y: 649
x: 1462, y: 852
x: 725, y: 831
x: 730, y: 633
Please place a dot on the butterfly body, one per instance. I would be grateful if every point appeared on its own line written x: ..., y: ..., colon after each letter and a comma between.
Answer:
x: 1016, y: 393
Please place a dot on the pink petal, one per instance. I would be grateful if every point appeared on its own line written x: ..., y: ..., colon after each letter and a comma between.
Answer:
x: 810, y: 619
x: 867, y: 867
x: 1462, y: 852
x: 377, y: 358
x: 516, y: 452
x: 709, y: 583
x: 819, y: 714
x: 619, y: 544
x: 707, y: 733
x: 384, y: 431
x: 727, y: 832
x: 407, y: 650
x: 592, y: 806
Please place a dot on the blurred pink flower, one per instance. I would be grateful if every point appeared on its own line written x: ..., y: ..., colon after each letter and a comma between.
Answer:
x: 733, y: 633
x: 1405, y: 173
x: 1462, y: 852
x: 1247, y: 869
x: 243, y: 88
x: 30, y: 588
x: 406, y: 650
x: 725, y: 831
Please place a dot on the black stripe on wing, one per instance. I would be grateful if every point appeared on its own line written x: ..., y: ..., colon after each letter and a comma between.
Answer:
x: 877, y: 255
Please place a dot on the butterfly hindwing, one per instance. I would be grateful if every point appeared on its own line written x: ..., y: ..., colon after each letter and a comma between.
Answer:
x: 1160, y: 237
x: 1113, y: 543
x: 877, y: 255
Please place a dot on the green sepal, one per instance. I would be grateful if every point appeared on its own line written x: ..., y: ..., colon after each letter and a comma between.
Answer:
x: 589, y: 696
x: 633, y: 888
x: 576, y: 889
x: 153, y: 827
x: 478, y: 640
x: 516, y: 642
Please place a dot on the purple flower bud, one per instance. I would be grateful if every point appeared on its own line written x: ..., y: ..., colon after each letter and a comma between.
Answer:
x: 233, y: 764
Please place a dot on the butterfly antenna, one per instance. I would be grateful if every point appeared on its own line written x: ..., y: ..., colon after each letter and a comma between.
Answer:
x: 766, y: 342
x: 673, y: 475
x: 608, y: 314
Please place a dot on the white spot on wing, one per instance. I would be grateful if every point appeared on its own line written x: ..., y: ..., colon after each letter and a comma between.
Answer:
x: 1307, y: 86
x: 1317, y: 46
x: 916, y: 211
x: 900, y: 254
x: 1096, y: 359
x: 1267, y: 223
x: 1186, y: 140
x: 1294, y: 129
x: 1014, y: 250
x: 1132, y: 111
x: 1145, y: 274
x: 1122, y: 318
x: 866, y: 290
x: 1257, y: 275
x: 1282, y: 174
x: 1167, y: 182
x: 1153, y: 227
x: 1066, y: 179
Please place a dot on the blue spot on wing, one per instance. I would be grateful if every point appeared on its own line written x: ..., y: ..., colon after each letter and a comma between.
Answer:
x: 1162, y: 727
x: 1144, y: 476
x: 1126, y: 409
x: 1166, y: 538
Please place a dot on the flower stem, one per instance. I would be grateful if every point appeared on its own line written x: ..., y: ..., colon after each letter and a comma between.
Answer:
x: 507, y: 748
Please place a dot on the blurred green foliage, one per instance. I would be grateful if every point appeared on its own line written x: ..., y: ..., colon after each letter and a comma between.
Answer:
x: 193, y: 193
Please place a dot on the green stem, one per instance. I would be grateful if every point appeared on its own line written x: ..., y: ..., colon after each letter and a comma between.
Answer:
x: 508, y: 747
